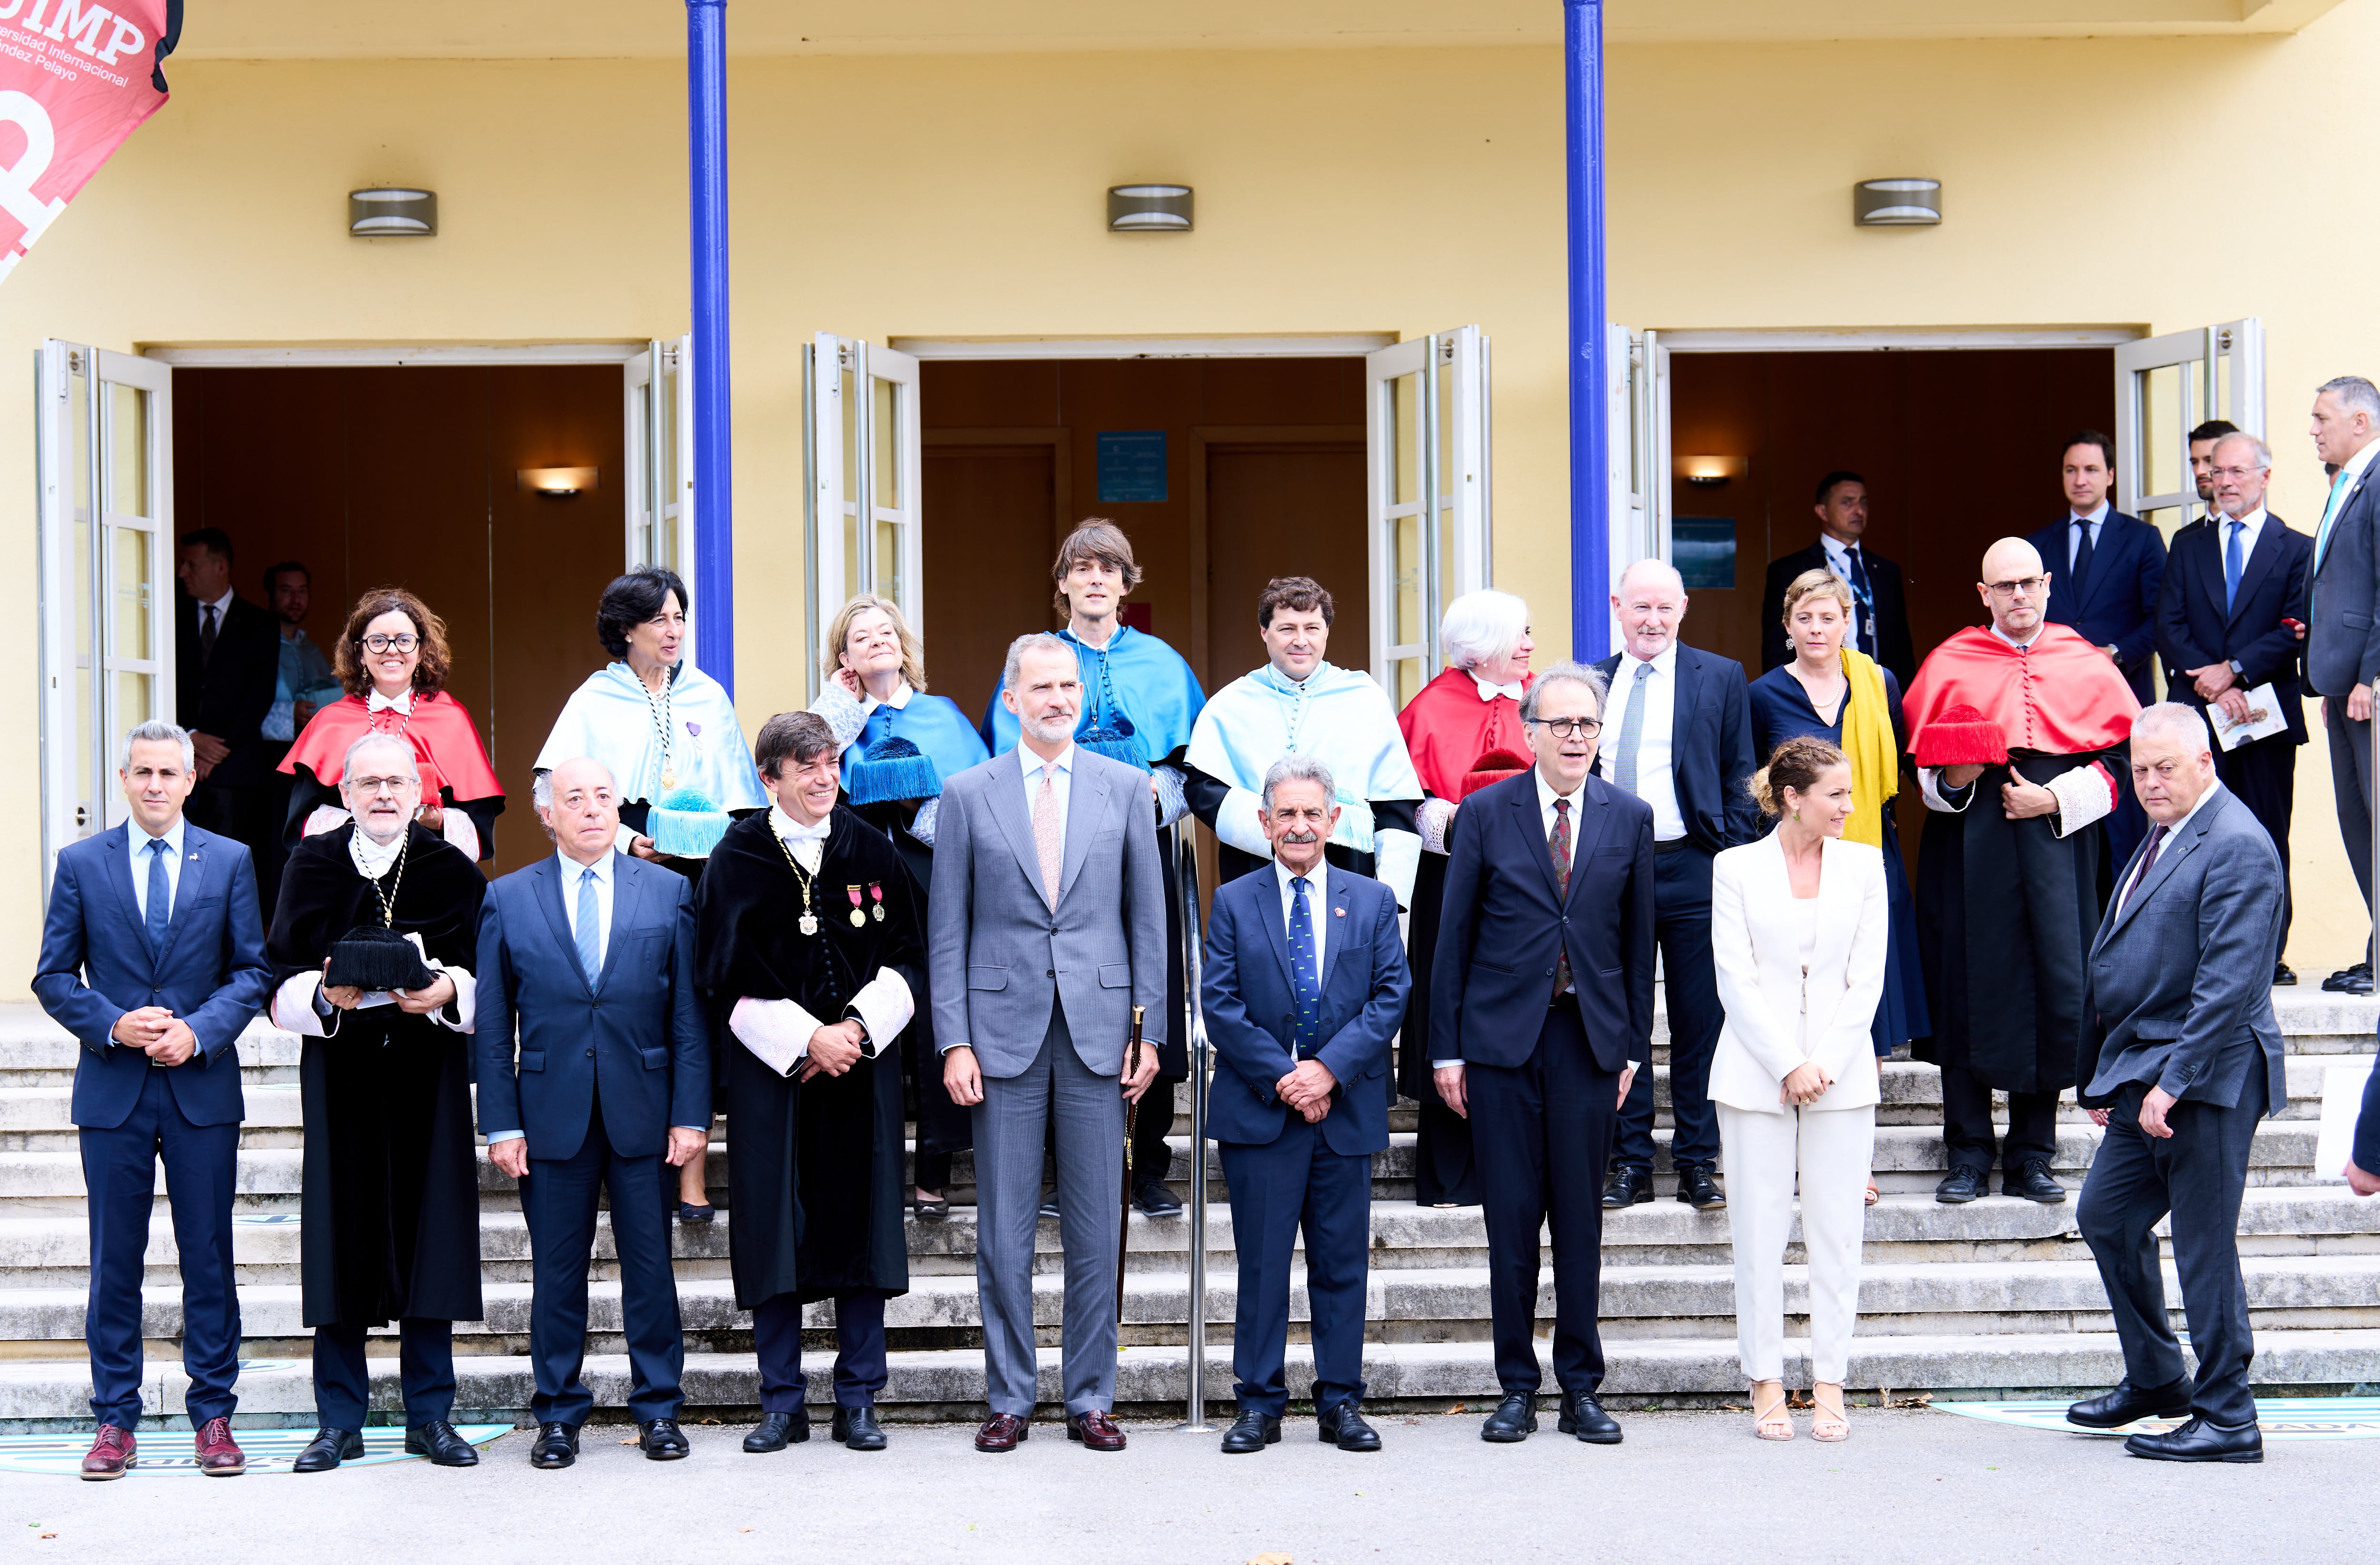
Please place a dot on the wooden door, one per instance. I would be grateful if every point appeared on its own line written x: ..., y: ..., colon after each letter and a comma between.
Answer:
x: 991, y: 518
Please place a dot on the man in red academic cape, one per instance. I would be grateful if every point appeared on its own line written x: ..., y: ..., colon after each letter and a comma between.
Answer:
x: 2021, y: 729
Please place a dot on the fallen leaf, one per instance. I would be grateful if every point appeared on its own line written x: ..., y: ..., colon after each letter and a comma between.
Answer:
x: 628, y: 1442
x: 1272, y: 1560
x: 1455, y: 1408
x: 743, y: 1529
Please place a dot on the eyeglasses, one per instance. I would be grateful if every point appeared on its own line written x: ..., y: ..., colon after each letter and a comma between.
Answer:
x: 2028, y: 585
x: 371, y: 786
x: 1571, y: 728
x: 400, y: 643
x: 2232, y: 473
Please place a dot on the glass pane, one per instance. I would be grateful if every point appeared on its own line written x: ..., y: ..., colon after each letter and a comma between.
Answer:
x: 669, y: 486
x: 889, y: 580
x: 885, y: 428
x: 90, y: 778
x: 127, y: 450
x: 79, y: 457
x: 2165, y: 460
x: 130, y: 582
x: 133, y: 694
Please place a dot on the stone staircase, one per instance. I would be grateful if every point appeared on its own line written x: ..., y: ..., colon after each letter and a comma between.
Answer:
x: 1993, y: 1298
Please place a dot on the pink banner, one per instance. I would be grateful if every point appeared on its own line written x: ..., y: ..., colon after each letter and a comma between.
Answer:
x: 75, y: 80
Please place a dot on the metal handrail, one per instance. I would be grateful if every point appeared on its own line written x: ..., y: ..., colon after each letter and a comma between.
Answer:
x: 1200, y: 1055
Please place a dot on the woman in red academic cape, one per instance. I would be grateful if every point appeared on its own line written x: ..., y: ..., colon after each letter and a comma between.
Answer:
x: 1464, y: 732
x: 394, y: 662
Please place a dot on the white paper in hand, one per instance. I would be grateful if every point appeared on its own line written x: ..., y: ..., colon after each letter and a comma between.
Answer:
x: 2342, y: 1100
x: 2266, y: 717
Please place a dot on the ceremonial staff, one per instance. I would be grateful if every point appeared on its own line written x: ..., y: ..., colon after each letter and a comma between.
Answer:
x: 1131, y: 1118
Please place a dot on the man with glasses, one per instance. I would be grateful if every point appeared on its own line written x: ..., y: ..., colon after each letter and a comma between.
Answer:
x: 2225, y: 629
x: 2019, y: 733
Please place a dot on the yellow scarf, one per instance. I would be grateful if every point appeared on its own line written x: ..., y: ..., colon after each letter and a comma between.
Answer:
x: 1867, y: 741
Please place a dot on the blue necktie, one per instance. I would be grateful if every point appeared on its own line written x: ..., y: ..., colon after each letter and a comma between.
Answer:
x: 1864, y: 592
x: 1304, y: 971
x: 2231, y: 567
x: 161, y: 892
x: 590, y: 928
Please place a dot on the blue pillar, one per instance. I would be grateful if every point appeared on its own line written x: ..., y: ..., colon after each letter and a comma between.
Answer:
x: 714, y: 464
x: 1590, y: 454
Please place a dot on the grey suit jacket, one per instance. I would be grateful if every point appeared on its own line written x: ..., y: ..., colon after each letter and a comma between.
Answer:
x: 2343, y: 627
x: 999, y: 956
x: 2179, y: 994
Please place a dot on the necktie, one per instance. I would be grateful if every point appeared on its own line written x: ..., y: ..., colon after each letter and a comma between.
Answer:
x: 590, y: 928
x: 206, y: 633
x: 2081, y: 571
x: 2231, y: 567
x: 161, y: 892
x: 1864, y: 591
x: 1305, y: 970
x: 1559, y: 843
x: 2338, y: 487
x: 1623, y: 762
x: 2148, y: 862
x: 1047, y: 842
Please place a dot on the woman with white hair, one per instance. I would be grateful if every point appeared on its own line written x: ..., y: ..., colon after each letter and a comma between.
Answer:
x: 1464, y: 732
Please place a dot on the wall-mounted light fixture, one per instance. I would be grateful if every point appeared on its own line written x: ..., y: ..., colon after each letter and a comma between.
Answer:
x: 391, y: 212
x: 558, y: 483
x: 1897, y: 203
x: 1148, y: 209
x: 1709, y: 472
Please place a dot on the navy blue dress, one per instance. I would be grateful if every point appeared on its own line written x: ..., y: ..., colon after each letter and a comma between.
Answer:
x: 1781, y: 710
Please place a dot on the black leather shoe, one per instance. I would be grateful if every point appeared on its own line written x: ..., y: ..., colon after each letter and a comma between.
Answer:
x: 438, y: 1441
x: 2199, y: 1440
x: 1515, y: 1418
x: 2284, y: 976
x: 1154, y: 1200
x: 1583, y: 1416
x: 1627, y: 1187
x: 776, y: 1431
x: 2032, y: 1182
x: 1960, y: 1186
x: 1343, y: 1426
x: 328, y: 1449
x: 1250, y: 1433
x: 662, y: 1440
x: 857, y: 1428
x: 1050, y: 1209
x: 1698, y: 1188
x: 2127, y: 1402
x: 557, y: 1446
x: 2356, y: 979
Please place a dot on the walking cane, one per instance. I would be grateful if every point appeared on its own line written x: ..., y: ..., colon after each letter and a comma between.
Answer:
x: 1131, y: 1121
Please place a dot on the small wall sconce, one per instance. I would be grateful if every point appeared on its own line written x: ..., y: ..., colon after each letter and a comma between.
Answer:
x: 1148, y: 209
x: 1709, y: 472
x: 1897, y: 203
x: 558, y: 483
x: 389, y: 212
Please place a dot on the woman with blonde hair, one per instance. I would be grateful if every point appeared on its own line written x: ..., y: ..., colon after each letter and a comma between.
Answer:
x: 1798, y: 940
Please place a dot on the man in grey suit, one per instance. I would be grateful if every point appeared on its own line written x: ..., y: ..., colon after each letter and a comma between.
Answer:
x: 1047, y: 925
x: 2343, y: 630
x: 2181, y: 1056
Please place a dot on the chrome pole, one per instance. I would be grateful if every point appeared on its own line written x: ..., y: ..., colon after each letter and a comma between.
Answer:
x: 1200, y: 1053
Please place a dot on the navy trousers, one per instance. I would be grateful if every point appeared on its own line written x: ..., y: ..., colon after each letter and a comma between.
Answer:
x: 425, y: 1369
x: 119, y: 1172
x: 1276, y: 1188
x: 859, y: 1372
x: 1682, y: 918
x: 1541, y: 1132
x: 558, y: 1201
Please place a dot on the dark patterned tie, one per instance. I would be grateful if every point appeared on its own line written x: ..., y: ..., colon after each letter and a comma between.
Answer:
x: 2081, y: 570
x: 206, y: 634
x: 1305, y: 972
x: 1559, y: 843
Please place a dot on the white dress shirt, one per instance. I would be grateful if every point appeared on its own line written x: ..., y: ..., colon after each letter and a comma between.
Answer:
x: 898, y: 700
x: 1489, y: 691
x: 778, y: 1033
x: 2094, y: 520
x: 137, y: 839
x: 2251, y: 526
x: 572, y: 872
x: 2132, y: 880
x: 221, y: 607
x: 1062, y: 779
x: 1657, y: 779
x: 1318, y: 908
x: 1546, y: 796
x: 2350, y: 471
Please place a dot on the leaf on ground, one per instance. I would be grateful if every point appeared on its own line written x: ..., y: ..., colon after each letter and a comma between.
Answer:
x: 1272, y: 1560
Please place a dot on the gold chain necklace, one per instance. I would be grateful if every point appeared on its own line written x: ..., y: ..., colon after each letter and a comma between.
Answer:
x: 809, y: 923
x: 388, y: 903
x: 659, y: 707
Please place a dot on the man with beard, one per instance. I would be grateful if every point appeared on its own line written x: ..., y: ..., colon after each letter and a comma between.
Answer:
x: 807, y: 1007
x: 372, y: 951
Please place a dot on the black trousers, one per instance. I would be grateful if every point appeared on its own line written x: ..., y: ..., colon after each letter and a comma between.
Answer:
x: 2197, y: 1174
x: 2351, y: 788
x: 1967, y: 1130
x: 1541, y: 1135
x: 859, y: 1367
x: 425, y: 1370
x: 2265, y: 776
x: 1681, y: 915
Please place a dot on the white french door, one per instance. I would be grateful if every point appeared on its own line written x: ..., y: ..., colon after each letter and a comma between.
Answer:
x: 105, y: 477
x: 2164, y: 387
x: 659, y: 386
x: 1636, y: 403
x: 1429, y: 495
x: 865, y: 451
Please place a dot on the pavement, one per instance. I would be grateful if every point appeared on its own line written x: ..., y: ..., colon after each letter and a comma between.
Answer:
x: 1915, y: 1485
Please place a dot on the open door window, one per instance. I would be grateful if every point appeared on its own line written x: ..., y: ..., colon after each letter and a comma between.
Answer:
x: 2167, y: 385
x: 1427, y: 423
x: 103, y: 453
x: 1637, y: 410
x: 865, y: 449
x: 660, y: 390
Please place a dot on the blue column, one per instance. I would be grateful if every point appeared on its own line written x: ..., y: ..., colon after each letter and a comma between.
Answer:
x: 714, y: 464
x: 1590, y: 456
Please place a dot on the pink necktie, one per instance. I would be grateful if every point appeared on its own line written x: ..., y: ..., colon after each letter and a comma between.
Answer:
x: 1045, y: 837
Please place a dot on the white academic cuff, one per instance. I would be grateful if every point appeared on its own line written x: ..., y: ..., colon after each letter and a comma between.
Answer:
x: 842, y: 712
x: 1396, y: 856
x: 929, y: 814
x: 293, y: 1006
x: 777, y: 1032
x: 884, y: 1007
x: 1929, y: 781
x: 1240, y: 822
x: 465, y: 1006
x: 1172, y: 802
x: 2085, y: 794
x: 1436, y: 818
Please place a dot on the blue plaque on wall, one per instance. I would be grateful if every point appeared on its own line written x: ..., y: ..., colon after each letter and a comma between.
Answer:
x: 1703, y: 548
x: 1131, y: 465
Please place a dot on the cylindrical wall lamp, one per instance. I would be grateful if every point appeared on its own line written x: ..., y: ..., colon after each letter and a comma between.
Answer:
x: 1897, y: 203
x: 1148, y: 209
x: 390, y: 212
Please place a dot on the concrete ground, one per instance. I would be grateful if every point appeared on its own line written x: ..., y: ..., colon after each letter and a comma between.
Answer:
x: 1909, y: 1485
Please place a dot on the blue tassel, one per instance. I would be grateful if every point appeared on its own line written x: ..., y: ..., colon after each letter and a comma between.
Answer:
x: 1115, y: 740
x: 684, y: 823
x: 893, y: 768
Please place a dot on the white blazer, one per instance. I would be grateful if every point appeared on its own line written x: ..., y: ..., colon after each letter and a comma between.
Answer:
x: 1775, y: 1021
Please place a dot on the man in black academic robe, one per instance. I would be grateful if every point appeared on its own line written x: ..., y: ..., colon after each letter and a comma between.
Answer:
x: 811, y: 957
x: 391, y: 1201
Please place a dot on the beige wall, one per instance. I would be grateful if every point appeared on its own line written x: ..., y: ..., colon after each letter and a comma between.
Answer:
x: 1338, y: 191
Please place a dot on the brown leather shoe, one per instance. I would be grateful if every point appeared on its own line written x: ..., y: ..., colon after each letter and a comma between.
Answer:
x: 110, y: 1454
x: 1001, y: 1432
x: 1096, y: 1430
x: 218, y: 1454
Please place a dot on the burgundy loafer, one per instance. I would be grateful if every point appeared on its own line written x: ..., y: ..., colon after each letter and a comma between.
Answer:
x: 1001, y: 1432
x: 218, y: 1454
x: 1096, y: 1430
x: 111, y: 1453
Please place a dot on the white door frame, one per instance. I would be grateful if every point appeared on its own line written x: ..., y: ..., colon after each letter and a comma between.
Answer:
x: 264, y: 356
x: 1316, y: 344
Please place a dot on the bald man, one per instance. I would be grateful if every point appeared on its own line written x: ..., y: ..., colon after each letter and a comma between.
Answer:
x: 2007, y: 883
x: 1678, y: 737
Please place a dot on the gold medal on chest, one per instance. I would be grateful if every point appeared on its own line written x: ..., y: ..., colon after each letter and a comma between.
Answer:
x: 858, y: 919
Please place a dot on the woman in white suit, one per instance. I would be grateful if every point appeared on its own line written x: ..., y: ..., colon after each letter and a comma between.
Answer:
x: 1799, y: 931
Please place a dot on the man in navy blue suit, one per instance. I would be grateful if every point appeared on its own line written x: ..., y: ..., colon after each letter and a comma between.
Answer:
x: 2235, y: 583
x: 154, y: 956
x: 1305, y: 983
x: 1543, y: 987
x: 2106, y: 569
x: 591, y: 952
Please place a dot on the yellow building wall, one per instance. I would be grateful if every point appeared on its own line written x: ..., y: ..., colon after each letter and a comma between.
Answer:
x: 2154, y: 184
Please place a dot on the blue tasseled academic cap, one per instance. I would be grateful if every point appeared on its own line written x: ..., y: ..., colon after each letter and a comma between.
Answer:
x: 893, y: 768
